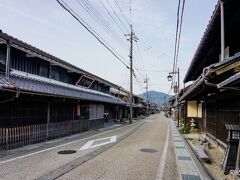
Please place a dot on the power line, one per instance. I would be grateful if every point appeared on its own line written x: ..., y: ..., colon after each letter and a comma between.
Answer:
x: 153, y: 51
x: 106, y: 9
x: 142, y: 88
x: 180, y: 31
x: 90, y: 30
x: 99, y: 19
x: 158, y: 85
x: 165, y: 97
x: 150, y: 47
x: 139, y: 83
x: 139, y: 72
x: 141, y: 59
x: 159, y: 71
x: 117, y: 16
x: 125, y: 18
x: 137, y: 63
x: 176, y: 35
x: 146, y: 81
x: 124, y: 78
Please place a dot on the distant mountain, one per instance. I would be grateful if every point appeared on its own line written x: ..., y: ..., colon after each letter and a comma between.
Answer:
x: 156, y: 97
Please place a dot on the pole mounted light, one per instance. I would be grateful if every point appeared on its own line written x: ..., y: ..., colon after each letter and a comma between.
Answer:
x: 169, y: 77
x: 177, y: 90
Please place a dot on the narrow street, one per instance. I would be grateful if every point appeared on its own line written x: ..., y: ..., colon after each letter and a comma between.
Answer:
x: 119, y: 90
x: 136, y: 157
x: 142, y: 150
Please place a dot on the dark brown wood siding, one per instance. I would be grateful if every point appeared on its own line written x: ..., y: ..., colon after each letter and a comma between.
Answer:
x: 222, y: 109
x: 211, y: 120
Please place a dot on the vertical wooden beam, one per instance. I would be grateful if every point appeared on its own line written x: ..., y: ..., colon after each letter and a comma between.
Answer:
x: 8, y: 59
x: 78, y: 110
x: 222, y: 30
x: 48, y: 118
x: 238, y: 157
x: 73, y: 112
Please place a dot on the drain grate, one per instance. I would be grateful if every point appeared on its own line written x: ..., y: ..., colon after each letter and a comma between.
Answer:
x: 148, y: 150
x: 67, y: 152
x: 184, y: 158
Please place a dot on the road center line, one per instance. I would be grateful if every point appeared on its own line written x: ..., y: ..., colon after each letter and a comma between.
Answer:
x: 163, y: 158
x: 38, y: 152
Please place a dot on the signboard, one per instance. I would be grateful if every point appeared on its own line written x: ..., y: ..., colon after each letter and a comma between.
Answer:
x: 84, y: 81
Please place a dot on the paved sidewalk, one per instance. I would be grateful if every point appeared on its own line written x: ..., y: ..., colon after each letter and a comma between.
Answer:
x: 187, y: 167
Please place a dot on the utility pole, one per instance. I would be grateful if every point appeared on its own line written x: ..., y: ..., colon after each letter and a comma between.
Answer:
x: 178, y: 97
x: 131, y: 39
x: 146, y: 81
x: 176, y: 91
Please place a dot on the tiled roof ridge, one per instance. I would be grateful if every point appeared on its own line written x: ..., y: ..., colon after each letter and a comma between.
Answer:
x: 214, y: 14
x: 76, y: 88
x: 39, y: 51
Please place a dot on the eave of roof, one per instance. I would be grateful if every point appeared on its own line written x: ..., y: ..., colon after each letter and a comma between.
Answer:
x: 232, y: 79
x: 215, y: 15
x: 226, y: 61
x: 212, y: 68
x: 209, y: 47
x: 29, y: 85
x: 27, y: 46
x: 133, y: 105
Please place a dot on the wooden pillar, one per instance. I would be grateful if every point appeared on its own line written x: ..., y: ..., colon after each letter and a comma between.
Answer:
x: 8, y: 59
x: 78, y: 110
x: 48, y: 118
x: 238, y: 157
x: 73, y: 112
x: 222, y: 30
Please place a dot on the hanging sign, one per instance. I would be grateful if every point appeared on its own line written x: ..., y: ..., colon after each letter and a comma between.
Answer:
x: 84, y: 81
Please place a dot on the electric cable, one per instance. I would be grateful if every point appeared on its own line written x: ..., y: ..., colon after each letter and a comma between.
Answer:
x: 90, y: 30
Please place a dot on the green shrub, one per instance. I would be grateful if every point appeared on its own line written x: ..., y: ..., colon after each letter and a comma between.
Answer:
x: 182, y: 121
x: 185, y: 130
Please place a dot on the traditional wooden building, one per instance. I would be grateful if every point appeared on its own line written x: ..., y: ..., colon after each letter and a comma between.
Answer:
x: 139, y: 104
x: 214, y: 97
x: 43, y: 97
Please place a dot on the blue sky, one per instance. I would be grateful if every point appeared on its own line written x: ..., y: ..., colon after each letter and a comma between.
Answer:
x: 44, y: 24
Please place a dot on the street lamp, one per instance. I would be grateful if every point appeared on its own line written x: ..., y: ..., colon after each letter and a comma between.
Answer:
x: 177, y: 89
x: 169, y: 77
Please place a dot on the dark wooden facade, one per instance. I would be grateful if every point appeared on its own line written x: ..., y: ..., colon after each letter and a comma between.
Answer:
x: 22, y: 61
x: 217, y: 81
x: 43, y: 97
x: 222, y: 109
x: 24, y: 120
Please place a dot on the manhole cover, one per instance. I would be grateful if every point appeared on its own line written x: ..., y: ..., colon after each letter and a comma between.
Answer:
x: 67, y: 152
x: 148, y: 150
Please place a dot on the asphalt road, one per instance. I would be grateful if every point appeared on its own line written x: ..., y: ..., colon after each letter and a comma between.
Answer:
x: 142, y: 155
x: 142, y: 150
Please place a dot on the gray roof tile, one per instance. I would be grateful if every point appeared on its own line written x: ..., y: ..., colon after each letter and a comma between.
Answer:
x: 36, y: 86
